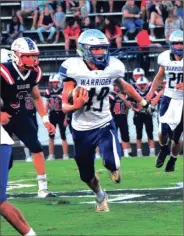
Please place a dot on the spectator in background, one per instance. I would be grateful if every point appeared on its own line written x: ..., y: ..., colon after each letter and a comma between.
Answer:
x: 102, y: 6
x: 100, y: 23
x: 179, y: 5
x: 156, y: 17
x: 68, y: 3
x: 113, y: 31
x: 87, y: 24
x: 46, y: 24
x: 45, y: 3
x: 172, y: 23
x: 15, y: 30
x: 83, y: 10
x: 144, y: 41
x: 28, y: 8
x: 131, y: 18
x: 145, y: 6
x: 71, y: 32
x: 59, y: 21
x: 119, y: 109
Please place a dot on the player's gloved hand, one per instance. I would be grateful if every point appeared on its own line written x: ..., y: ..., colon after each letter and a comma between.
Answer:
x: 50, y: 127
x: 4, y: 118
x: 148, y: 109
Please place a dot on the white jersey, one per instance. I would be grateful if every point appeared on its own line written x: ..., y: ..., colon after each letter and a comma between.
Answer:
x: 96, y: 112
x: 5, y: 55
x: 173, y: 74
x: 5, y: 138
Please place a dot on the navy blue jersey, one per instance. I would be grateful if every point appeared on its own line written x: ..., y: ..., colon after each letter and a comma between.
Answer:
x: 118, y: 106
x: 29, y: 105
x: 54, y: 99
x: 15, y: 89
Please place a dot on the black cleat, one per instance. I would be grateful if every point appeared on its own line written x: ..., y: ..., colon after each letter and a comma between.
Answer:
x: 164, y: 151
x: 170, y: 164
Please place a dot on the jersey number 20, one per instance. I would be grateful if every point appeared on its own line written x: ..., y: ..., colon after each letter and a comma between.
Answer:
x: 175, y: 77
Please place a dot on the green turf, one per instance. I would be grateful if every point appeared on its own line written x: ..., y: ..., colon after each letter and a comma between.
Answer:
x: 65, y: 216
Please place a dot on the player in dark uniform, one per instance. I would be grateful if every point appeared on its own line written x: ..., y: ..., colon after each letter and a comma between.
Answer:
x: 18, y: 79
x: 142, y: 118
x: 31, y: 111
x: 56, y: 115
x: 119, y: 110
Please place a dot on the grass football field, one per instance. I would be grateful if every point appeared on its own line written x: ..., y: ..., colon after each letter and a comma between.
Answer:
x: 146, y: 202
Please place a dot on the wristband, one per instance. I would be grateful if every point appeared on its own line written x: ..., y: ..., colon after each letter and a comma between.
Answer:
x: 45, y: 118
x: 143, y: 102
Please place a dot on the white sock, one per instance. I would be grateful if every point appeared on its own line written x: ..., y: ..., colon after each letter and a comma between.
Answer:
x: 152, y: 151
x: 42, y: 182
x: 126, y: 151
x: 27, y: 152
x: 173, y: 155
x: 31, y: 233
x: 139, y: 152
x: 100, y: 195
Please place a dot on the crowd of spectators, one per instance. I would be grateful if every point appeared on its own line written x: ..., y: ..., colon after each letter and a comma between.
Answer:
x: 51, y: 20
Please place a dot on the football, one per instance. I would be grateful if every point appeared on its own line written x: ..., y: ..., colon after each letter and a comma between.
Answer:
x: 74, y: 92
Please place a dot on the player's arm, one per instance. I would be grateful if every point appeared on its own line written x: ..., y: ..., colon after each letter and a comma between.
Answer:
x: 156, y: 99
x: 79, y: 98
x: 123, y: 97
x: 39, y: 105
x: 130, y: 91
x: 156, y: 83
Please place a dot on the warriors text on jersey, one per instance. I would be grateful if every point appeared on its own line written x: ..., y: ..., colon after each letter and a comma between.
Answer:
x: 15, y: 87
x: 173, y: 74
x: 96, y: 112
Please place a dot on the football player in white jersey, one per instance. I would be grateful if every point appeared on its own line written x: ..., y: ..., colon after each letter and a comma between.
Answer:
x: 95, y: 72
x: 171, y: 107
x: 7, y: 210
x: 5, y: 55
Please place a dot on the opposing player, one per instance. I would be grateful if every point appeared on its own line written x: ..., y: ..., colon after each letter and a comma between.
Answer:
x: 94, y: 75
x: 56, y: 115
x: 142, y: 118
x: 119, y: 108
x: 18, y: 79
x: 7, y: 210
x: 171, y: 107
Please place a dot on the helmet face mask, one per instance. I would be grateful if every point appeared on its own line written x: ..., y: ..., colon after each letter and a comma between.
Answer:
x: 138, y: 73
x: 90, y: 41
x: 142, y: 84
x: 25, y: 54
x: 176, y: 42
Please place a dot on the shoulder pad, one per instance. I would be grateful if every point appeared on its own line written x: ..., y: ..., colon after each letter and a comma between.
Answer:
x: 163, y: 58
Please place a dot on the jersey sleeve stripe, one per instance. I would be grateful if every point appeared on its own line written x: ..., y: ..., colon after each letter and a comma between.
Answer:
x: 6, y: 75
x: 63, y: 70
x: 39, y: 75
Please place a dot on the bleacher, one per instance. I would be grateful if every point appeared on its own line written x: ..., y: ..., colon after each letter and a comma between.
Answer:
x: 52, y: 55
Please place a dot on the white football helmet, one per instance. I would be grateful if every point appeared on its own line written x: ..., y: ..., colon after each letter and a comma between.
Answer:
x: 25, y: 53
x: 93, y: 38
x: 54, y: 78
x: 142, y: 83
x: 137, y: 73
x: 5, y: 55
x: 176, y: 38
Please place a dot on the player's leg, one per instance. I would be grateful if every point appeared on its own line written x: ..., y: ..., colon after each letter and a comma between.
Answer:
x: 7, y: 210
x: 138, y: 122
x: 62, y: 130
x: 51, y: 157
x: 175, y: 147
x: 149, y: 131
x: 110, y: 150
x: 26, y: 131
x: 84, y: 146
x: 163, y: 135
x: 124, y: 132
